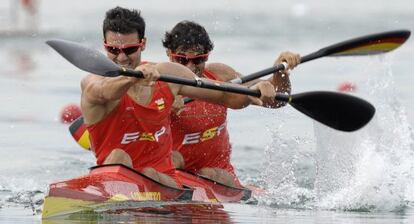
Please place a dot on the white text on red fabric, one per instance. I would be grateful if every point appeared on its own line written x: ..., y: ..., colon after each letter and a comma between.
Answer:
x: 197, y: 137
x: 144, y: 136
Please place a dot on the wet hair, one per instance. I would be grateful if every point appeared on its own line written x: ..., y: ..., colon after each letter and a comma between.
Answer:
x: 187, y: 35
x: 125, y: 21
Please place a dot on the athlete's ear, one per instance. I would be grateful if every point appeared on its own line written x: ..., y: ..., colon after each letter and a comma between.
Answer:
x: 144, y: 43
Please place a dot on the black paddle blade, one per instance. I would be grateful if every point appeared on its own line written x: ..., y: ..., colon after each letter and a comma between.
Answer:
x: 86, y: 59
x: 336, y: 110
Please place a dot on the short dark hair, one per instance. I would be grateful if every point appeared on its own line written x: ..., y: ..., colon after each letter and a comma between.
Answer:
x: 125, y: 21
x: 187, y: 35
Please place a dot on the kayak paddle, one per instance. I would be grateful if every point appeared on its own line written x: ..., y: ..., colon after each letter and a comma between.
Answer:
x: 372, y: 44
x: 365, y: 45
x: 336, y: 110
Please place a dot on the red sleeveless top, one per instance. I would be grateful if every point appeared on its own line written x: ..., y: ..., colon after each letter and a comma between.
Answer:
x: 141, y: 131
x: 200, y: 134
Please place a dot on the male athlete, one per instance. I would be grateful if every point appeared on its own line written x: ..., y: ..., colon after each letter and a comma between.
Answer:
x: 128, y: 118
x: 199, y: 129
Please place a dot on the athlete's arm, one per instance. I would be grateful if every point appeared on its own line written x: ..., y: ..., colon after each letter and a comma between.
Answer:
x: 223, y: 72
x: 227, y: 73
x: 100, y: 95
x: 99, y: 90
x: 280, y: 80
x: 231, y: 100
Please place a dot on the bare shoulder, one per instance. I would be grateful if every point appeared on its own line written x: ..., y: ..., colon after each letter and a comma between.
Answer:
x: 171, y: 68
x: 174, y: 69
x: 222, y: 71
x: 149, y: 63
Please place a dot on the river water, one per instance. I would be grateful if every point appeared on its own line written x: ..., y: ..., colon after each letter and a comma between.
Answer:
x: 311, y: 173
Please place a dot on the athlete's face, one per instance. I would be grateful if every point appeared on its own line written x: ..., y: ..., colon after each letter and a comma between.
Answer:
x: 195, y: 59
x: 124, y: 49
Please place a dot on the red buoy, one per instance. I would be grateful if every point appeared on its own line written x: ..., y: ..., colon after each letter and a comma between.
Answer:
x: 346, y: 87
x: 70, y: 113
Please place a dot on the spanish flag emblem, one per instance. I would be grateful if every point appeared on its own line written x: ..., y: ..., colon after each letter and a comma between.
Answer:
x: 160, y: 104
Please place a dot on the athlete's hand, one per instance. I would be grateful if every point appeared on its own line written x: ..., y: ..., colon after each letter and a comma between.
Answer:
x: 280, y: 79
x: 292, y: 59
x: 150, y: 73
x: 267, y: 91
x: 178, y: 104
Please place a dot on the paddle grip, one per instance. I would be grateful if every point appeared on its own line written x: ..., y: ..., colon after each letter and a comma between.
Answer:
x: 132, y: 73
x: 282, y: 97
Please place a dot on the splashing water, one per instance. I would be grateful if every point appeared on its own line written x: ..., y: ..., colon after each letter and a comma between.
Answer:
x: 376, y: 171
x: 286, y: 159
x: 367, y: 170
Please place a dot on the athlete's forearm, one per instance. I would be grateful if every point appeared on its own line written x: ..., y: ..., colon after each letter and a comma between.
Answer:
x: 281, y: 82
x: 227, y: 99
x: 235, y: 101
x: 115, y: 88
x: 108, y: 89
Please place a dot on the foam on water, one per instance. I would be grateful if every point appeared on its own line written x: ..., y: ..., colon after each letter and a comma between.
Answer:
x: 378, y: 170
x: 288, y: 171
x: 367, y: 170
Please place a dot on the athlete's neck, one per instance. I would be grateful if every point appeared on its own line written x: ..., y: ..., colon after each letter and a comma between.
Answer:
x: 141, y: 94
x: 200, y: 73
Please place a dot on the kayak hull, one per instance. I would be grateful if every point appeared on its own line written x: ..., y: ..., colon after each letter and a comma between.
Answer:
x: 215, y: 192
x: 108, y: 185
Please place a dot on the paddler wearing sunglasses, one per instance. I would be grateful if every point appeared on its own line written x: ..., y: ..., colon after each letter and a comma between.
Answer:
x: 128, y: 119
x: 199, y: 128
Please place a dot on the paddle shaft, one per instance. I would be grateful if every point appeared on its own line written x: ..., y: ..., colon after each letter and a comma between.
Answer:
x: 274, y: 69
x: 206, y: 85
x: 267, y: 71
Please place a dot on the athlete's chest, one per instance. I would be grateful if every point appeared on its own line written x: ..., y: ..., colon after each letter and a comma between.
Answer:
x: 198, y: 116
x: 152, y: 106
x: 201, y: 109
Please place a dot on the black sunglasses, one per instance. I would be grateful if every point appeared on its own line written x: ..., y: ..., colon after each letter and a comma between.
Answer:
x: 184, y: 59
x: 126, y: 49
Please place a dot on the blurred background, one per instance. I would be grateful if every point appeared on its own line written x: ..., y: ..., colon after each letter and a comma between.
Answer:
x: 302, y: 163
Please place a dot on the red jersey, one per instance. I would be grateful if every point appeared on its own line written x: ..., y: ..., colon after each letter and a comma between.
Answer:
x: 141, y: 131
x: 200, y: 135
